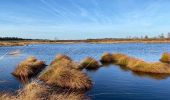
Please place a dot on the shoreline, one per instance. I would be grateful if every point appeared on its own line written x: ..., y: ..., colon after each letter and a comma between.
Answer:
x: 92, y: 41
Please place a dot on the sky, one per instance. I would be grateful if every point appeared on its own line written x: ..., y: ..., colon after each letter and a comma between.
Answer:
x: 82, y: 19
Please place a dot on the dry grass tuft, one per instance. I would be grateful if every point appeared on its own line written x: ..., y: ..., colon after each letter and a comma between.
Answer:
x: 60, y: 57
x: 141, y: 66
x: 31, y: 91
x: 106, y: 58
x: 61, y: 75
x: 29, y: 67
x: 37, y: 91
x: 7, y: 96
x: 68, y: 96
x: 165, y: 58
x: 65, y: 63
x: 89, y: 63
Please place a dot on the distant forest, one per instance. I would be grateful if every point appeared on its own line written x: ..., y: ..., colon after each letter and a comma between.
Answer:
x: 161, y: 36
x: 11, y: 38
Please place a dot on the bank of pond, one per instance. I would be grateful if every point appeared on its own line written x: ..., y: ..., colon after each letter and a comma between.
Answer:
x: 65, y: 79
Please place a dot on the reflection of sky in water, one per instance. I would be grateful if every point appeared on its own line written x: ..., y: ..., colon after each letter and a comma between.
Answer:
x: 110, y: 82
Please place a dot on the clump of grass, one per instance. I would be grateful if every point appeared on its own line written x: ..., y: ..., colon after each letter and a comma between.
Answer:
x: 117, y: 56
x: 106, y: 58
x: 141, y: 66
x: 39, y: 91
x: 165, y: 58
x: 30, y: 91
x: 123, y: 61
x: 89, y: 63
x: 33, y: 90
x: 68, y: 96
x: 7, y: 96
x: 156, y: 67
x: 63, y: 76
x: 65, y: 63
x: 60, y: 57
x: 29, y: 67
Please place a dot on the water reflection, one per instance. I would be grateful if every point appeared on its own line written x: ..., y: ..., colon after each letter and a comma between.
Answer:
x: 138, y: 74
x: 147, y: 75
x: 153, y: 76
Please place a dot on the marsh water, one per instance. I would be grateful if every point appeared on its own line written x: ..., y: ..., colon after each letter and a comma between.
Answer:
x: 109, y: 82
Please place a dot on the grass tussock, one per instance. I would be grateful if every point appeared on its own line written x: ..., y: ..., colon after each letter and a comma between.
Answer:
x: 7, y: 96
x: 61, y: 75
x: 139, y: 65
x: 37, y: 91
x: 32, y: 91
x: 89, y: 63
x: 106, y: 58
x: 65, y: 63
x: 68, y: 96
x: 165, y: 58
x: 60, y: 57
x: 117, y: 56
x: 28, y: 67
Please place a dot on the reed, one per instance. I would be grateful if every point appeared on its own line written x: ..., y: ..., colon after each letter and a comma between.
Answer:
x: 29, y: 67
x: 89, y: 63
x: 165, y: 58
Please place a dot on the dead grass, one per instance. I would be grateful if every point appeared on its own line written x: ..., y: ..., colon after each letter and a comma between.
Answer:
x: 28, y: 67
x: 65, y: 63
x: 37, y: 91
x: 61, y: 75
x: 68, y: 96
x: 106, y: 58
x: 32, y: 91
x: 165, y: 58
x: 60, y: 57
x: 89, y: 63
x: 7, y: 96
x: 139, y: 65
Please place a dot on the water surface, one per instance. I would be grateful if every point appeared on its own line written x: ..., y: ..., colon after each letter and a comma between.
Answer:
x: 110, y: 82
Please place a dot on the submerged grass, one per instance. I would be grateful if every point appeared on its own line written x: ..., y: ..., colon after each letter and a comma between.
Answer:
x: 89, y: 63
x: 29, y: 67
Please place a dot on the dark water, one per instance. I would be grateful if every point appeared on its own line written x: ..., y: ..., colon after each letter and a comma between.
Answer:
x: 110, y: 82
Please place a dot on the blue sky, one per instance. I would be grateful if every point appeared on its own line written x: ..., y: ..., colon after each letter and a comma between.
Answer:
x: 81, y: 19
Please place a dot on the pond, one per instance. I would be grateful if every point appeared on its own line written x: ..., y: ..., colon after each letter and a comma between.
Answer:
x: 110, y: 82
